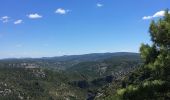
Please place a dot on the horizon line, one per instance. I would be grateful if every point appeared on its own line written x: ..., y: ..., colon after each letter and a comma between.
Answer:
x: 63, y: 55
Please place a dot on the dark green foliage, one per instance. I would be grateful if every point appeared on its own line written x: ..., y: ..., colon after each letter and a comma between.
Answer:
x: 36, y: 84
x: 81, y: 84
x: 99, y: 69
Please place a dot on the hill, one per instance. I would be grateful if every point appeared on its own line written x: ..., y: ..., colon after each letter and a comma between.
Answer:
x: 78, y: 78
x: 62, y: 62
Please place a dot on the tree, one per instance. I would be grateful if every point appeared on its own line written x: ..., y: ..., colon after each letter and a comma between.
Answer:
x: 156, y: 58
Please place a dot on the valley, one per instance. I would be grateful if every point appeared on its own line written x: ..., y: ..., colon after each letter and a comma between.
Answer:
x: 77, y: 77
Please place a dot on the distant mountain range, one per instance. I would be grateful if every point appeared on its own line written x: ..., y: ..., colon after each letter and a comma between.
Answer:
x: 63, y: 62
x: 83, y: 57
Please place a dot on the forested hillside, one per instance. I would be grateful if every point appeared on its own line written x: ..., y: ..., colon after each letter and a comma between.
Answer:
x: 62, y: 62
x: 30, y: 79
x: 36, y: 84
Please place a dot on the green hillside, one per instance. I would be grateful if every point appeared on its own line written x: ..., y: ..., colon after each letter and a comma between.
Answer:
x: 36, y: 84
x: 111, y: 66
x: 23, y: 79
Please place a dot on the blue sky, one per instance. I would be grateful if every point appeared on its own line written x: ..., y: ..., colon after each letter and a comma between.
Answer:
x: 36, y: 28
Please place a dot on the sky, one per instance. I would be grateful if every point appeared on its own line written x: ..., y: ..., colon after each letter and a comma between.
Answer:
x: 46, y: 28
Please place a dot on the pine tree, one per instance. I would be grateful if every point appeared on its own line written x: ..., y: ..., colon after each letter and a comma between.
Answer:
x: 156, y: 58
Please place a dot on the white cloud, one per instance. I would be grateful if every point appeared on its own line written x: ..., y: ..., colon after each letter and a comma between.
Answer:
x: 99, y: 5
x: 34, y: 16
x: 147, y: 17
x: 157, y: 14
x: 18, y: 21
x: 5, y: 19
x: 62, y: 11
